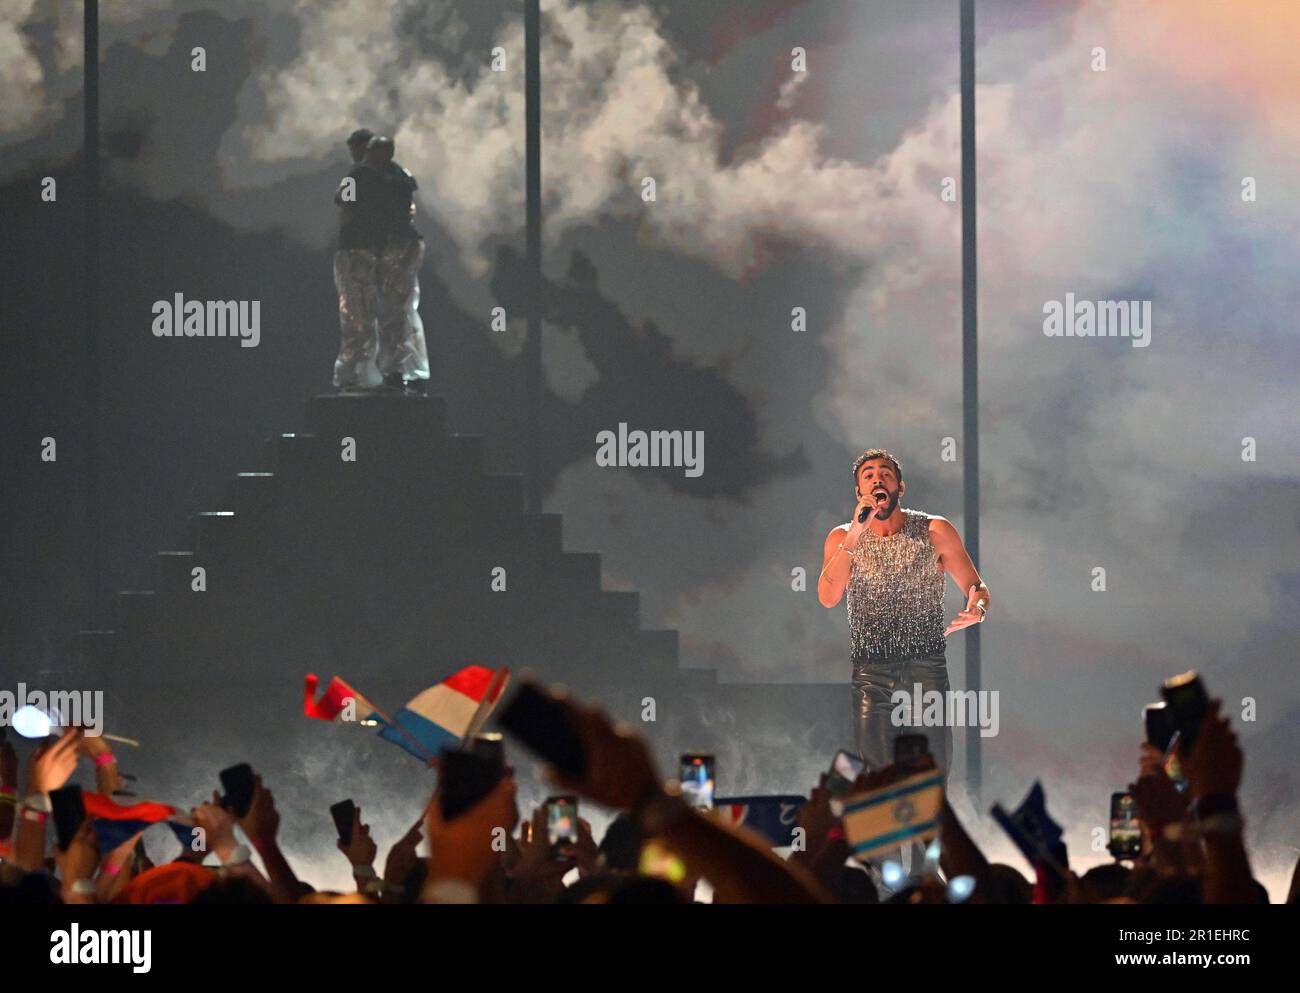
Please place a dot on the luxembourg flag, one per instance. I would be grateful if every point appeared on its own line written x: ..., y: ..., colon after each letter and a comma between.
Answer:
x: 339, y: 702
x: 445, y: 714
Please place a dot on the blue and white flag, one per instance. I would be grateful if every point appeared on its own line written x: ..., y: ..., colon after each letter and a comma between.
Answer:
x: 881, y: 820
x: 1031, y: 827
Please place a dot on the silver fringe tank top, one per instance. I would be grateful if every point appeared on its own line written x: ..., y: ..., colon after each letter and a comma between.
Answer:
x: 895, y: 594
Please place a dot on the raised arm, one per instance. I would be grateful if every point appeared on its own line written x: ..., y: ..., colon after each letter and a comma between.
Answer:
x: 837, y: 554
x: 621, y: 774
x: 954, y: 560
x: 837, y: 564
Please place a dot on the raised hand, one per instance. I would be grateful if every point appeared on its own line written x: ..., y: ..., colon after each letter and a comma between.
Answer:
x: 8, y: 763
x: 1158, y: 800
x: 401, y: 857
x: 620, y: 769
x: 117, y: 868
x: 1213, y: 767
x: 50, y: 766
x: 361, y: 848
x: 856, y: 526
x: 78, y: 861
x: 816, y: 819
x: 262, y: 821
x: 107, y: 776
x: 537, y: 873
x: 464, y: 848
x: 1151, y: 760
x: 891, y: 773
x: 218, y: 826
x: 972, y: 614
x: 586, y: 853
x: 8, y: 797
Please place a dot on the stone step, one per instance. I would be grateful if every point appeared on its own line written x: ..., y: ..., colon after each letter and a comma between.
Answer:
x: 503, y: 497
x: 213, y: 530
x: 383, y: 567
x: 622, y: 607
x: 376, y: 418
x: 577, y: 571
x: 286, y: 454
x: 464, y: 454
x: 255, y: 493
x: 133, y: 611
x: 174, y: 571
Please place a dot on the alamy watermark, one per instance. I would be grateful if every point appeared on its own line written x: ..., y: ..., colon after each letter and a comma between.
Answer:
x: 1102, y: 319
x: 82, y: 708
x: 639, y: 449
x: 102, y: 947
x: 955, y: 708
x: 181, y: 318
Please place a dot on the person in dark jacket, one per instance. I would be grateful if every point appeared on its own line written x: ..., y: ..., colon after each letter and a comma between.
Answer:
x: 402, y: 359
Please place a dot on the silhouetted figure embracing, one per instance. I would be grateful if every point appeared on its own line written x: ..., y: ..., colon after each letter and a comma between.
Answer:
x: 376, y: 271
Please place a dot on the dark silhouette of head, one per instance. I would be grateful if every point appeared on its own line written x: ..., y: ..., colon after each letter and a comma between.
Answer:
x: 357, y: 142
x: 380, y: 150
x: 1111, y: 881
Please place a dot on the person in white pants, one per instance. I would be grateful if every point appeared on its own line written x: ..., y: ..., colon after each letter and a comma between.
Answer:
x: 354, y: 272
x: 402, y: 359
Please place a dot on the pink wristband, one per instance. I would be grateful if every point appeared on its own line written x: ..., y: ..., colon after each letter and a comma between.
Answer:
x: 112, y: 868
x: 105, y: 758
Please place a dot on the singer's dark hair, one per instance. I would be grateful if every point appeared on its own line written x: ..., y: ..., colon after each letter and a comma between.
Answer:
x: 877, y: 453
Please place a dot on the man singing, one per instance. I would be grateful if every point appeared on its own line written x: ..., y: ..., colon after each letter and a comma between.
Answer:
x: 891, y: 561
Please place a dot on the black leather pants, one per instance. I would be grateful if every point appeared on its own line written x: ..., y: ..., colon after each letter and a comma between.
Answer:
x: 873, y: 686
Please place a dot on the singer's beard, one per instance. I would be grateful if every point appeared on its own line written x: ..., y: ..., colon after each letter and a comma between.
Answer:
x: 882, y: 512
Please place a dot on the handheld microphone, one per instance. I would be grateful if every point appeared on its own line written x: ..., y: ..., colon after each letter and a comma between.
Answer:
x: 866, y: 512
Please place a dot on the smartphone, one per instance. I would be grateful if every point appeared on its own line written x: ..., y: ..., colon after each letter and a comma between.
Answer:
x: 1156, y: 721
x: 909, y: 750
x: 845, y: 768
x: 1187, y: 703
x: 489, y: 746
x: 69, y: 813
x: 541, y: 722
x: 237, y: 781
x: 697, y: 779
x: 1172, y: 766
x: 344, y: 814
x: 467, y: 777
x: 562, y: 824
x: 1125, y: 832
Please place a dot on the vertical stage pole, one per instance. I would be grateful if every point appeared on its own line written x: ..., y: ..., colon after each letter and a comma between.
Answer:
x: 533, y: 195
x: 90, y: 295
x: 970, y: 376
